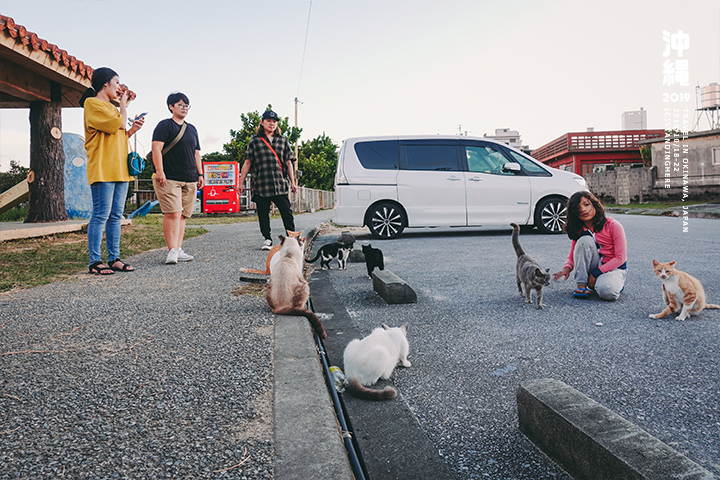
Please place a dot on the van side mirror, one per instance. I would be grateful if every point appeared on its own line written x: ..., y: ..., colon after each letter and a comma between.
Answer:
x: 512, y: 167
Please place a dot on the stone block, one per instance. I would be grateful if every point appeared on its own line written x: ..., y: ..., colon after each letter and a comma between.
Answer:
x: 590, y: 441
x: 392, y: 289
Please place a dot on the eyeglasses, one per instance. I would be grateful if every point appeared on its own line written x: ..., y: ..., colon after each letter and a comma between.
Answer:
x: 182, y: 106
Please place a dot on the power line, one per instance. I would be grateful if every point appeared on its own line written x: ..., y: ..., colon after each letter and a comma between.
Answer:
x: 302, y: 64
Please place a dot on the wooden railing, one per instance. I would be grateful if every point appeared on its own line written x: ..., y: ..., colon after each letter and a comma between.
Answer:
x: 594, y: 141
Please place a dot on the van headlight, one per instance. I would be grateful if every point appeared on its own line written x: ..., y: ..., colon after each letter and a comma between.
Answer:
x: 581, y: 181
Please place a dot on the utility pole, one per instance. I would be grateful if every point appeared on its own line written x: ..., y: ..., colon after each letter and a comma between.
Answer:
x: 296, y: 124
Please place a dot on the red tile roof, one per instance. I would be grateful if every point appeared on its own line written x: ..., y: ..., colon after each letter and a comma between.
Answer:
x: 32, y: 40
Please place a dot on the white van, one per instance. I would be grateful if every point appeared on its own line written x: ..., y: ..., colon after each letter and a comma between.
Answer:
x: 391, y: 183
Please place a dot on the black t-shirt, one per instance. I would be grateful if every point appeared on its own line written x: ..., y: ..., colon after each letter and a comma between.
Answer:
x: 179, y: 162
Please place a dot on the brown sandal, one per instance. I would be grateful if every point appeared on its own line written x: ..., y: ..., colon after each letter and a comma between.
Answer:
x: 98, y: 268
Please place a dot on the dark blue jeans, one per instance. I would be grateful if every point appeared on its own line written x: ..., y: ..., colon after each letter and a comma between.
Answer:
x: 108, y: 206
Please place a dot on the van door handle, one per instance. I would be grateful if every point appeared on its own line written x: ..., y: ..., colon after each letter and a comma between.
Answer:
x: 475, y: 179
x: 454, y: 179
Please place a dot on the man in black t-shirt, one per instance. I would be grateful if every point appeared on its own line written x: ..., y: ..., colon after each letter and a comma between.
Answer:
x: 178, y: 173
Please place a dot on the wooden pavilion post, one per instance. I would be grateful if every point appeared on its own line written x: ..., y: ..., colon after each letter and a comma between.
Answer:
x: 47, y: 160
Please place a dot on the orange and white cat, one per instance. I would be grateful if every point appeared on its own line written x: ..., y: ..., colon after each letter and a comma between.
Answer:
x: 681, y: 291
x: 271, y: 253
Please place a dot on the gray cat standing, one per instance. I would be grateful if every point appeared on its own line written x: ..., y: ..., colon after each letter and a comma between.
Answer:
x: 528, y: 272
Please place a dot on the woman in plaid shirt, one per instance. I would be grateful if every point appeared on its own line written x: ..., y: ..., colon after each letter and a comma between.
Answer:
x: 269, y: 161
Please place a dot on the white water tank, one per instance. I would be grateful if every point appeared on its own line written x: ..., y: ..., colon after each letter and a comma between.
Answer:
x: 710, y: 96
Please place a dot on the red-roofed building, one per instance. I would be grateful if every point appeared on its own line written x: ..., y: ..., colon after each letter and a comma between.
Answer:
x: 582, y: 152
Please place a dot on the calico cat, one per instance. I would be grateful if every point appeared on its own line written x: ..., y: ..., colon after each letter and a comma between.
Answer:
x: 375, y: 357
x: 528, y: 272
x: 271, y: 253
x: 330, y: 251
x: 680, y: 291
x: 373, y: 258
x: 287, y: 291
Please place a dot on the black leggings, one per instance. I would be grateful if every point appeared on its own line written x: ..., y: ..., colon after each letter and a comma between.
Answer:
x: 282, y: 202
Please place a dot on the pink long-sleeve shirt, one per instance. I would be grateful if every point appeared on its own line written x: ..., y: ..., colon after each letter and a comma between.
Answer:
x: 613, y: 247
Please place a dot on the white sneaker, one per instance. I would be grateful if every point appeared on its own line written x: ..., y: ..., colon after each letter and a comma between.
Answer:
x: 172, y: 256
x: 267, y: 245
x: 183, y: 257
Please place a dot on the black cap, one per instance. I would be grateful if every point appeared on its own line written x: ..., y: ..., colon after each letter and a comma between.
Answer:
x: 270, y: 115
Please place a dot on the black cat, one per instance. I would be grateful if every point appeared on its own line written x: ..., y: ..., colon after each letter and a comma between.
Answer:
x: 341, y: 251
x: 373, y: 258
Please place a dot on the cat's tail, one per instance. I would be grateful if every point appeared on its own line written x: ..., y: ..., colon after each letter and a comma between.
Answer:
x: 515, y: 240
x: 712, y: 306
x: 316, y: 257
x: 360, y: 391
x: 250, y: 270
x: 304, y: 312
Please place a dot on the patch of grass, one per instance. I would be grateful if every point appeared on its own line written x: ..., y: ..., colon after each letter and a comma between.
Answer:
x: 254, y: 289
x: 29, y: 262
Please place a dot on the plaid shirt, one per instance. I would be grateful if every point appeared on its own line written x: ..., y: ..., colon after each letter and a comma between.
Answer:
x: 266, y: 178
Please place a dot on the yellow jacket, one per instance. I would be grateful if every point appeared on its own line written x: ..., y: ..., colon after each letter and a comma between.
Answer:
x: 106, y: 143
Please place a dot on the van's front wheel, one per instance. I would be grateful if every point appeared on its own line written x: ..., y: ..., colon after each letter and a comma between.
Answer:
x: 551, y: 215
x: 386, y: 220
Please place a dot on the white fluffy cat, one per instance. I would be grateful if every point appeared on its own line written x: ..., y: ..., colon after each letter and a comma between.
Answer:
x: 375, y: 357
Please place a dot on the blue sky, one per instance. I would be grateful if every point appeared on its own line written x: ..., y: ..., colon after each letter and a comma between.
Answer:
x: 371, y: 67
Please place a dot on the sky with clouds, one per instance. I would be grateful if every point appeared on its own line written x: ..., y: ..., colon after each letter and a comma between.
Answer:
x: 387, y: 67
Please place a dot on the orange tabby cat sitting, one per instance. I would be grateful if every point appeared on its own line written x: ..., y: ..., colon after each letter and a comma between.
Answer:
x: 680, y: 290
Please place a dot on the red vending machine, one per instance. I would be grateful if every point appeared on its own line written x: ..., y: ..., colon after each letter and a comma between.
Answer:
x: 220, y: 191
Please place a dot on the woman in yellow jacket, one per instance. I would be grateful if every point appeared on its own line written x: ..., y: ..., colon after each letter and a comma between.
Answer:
x: 106, y: 142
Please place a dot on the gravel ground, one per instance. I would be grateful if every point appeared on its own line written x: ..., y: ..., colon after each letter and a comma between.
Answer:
x: 473, y: 340
x: 160, y: 373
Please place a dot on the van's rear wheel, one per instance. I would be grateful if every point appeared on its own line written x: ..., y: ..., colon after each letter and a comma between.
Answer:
x: 386, y: 220
x: 551, y: 215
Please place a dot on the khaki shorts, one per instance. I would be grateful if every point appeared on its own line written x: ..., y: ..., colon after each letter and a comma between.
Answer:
x: 176, y: 196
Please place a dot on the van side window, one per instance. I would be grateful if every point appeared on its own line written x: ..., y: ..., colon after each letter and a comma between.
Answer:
x: 485, y: 159
x: 379, y: 155
x: 531, y: 168
x: 430, y: 157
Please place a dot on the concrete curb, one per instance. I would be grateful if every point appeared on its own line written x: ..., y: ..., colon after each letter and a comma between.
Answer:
x: 590, y: 441
x: 307, y: 438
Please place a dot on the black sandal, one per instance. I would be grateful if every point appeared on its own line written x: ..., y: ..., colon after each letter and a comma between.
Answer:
x: 98, y: 268
x: 124, y: 268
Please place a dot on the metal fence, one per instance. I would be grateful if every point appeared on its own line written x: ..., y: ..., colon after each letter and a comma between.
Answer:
x: 305, y: 200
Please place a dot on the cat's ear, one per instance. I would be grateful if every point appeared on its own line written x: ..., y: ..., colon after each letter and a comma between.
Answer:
x: 672, y: 264
x: 385, y: 327
x: 655, y: 263
x: 282, y: 238
x: 405, y: 327
x: 547, y: 270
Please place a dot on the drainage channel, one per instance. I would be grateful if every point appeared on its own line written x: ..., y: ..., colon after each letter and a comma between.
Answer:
x: 347, y: 434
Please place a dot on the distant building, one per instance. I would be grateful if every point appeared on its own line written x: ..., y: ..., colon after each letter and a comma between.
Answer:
x: 635, y: 120
x: 690, y: 162
x: 585, y: 152
x: 508, y: 137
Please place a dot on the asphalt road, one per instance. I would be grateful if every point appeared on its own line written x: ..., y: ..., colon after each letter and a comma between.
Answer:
x: 473, y: 340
